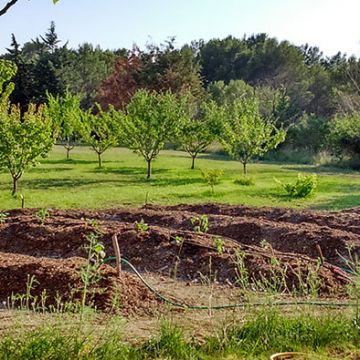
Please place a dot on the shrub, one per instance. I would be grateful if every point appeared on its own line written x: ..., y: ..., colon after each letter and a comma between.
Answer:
x: 304, y: 186
x: 244, y: 181
x: 212, y: 177
x: 344, y: 136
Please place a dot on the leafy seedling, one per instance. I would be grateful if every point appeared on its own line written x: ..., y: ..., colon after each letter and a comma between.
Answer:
x: 3, y: 217
x: 201, y: 224
x: 41, y: 215
x: 141, y: 226
x: 219, y: 244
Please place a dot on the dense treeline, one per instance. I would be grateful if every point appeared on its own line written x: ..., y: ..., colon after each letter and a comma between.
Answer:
x: 315, y: 98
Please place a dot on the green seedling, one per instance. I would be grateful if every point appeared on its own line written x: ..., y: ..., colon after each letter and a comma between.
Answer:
x: 90, y: 271
x: 201, y: 224
x: 219, y: 244
x: 41, y: 215
x: 141, y: 226
x: 3, y: 217
x: 91, y: 222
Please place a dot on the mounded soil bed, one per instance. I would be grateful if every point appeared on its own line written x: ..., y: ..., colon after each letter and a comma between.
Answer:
x: 266, y: 242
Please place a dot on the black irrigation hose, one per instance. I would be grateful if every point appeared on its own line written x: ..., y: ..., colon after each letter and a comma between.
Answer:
x: 228, y: 306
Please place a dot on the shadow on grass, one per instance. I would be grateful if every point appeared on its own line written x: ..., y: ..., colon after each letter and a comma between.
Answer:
x: 339, y: 203
x: 172, y: 181
x: 126, y: 170
x: 348, y: 188
x: 211, y: 156
x: 69, y: 184
x: 321, y: 169
x: 68, y: 161
x: 49, y: 170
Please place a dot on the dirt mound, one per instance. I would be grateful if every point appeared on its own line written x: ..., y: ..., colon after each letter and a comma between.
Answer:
x: 285, y: 229
x: 230, y: 253
x: 56, y: 284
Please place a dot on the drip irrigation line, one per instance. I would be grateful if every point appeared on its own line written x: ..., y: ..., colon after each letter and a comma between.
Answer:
x: 228, y: 306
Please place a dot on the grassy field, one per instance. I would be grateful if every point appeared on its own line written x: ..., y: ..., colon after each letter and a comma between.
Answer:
x: 79, y: 183
x: 325, y: 336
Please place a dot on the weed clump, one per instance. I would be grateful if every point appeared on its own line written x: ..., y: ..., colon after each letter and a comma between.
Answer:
x: 304, y: 186
x: 244, y: 181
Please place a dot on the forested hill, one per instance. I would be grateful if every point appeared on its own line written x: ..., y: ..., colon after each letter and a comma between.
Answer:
x: 301, y: 87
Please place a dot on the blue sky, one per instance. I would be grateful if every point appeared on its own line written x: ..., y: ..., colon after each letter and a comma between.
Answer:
x: 330, y: 24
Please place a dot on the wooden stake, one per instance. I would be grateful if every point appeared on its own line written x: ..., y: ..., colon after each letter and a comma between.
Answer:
x: 115, y: 243
x: 322, y: 259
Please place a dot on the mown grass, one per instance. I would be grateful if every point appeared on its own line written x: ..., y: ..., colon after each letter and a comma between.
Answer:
x: 78, y: 183
x: 328, y: 335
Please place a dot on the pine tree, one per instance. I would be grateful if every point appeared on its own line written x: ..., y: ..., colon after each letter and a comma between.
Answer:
x: 51, y: 39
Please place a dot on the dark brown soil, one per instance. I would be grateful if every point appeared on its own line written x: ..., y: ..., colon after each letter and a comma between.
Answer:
x: 294, y: 240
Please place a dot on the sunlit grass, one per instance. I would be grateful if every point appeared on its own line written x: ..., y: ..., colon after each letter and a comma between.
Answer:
x: 78, y: 183
x: 322, y: 336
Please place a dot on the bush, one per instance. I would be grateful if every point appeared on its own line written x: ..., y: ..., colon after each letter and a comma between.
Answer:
x: 212, y: 177
x: 244, y: 181
x: 304, y: 186
x: 344, y: 136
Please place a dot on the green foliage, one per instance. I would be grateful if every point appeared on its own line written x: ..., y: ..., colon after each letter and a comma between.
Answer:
x: 321, y: 335
x: 3, y: 217
x: 90, y: 271
x: 42, y: 215
x: 100, y: 131
x: 227, y: 94
x: 85, y: 70
x: 56, y: 183
x: 271, y: 331
x: 65, y: 113
x: 246, y: 134
x: 7, y: 71
x: 141, y: 226
x: 308, y: 134
x: 170, y: 344
x: 198, y: 127
x: 304, y: 186
x: 219, y: 244
x: 244, y: 181
x: 344, y: 136
x: 201, y: 224
x: 212, y: 177
x: 150, y: 121
x: 23, y: 138
x: 179, y: 240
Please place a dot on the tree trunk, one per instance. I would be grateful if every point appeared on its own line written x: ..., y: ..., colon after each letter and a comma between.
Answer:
x: 148, y: 169
x: 193, y: 162
x: 68, y: 148
x: 244, y: 168
x: 99, y: 160
x: 14, y: 185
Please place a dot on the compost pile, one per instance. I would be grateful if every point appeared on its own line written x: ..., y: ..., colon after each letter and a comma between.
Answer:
x: 265, y: 242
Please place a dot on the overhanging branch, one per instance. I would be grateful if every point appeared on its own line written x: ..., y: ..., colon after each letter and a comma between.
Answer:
x: 7, y: 7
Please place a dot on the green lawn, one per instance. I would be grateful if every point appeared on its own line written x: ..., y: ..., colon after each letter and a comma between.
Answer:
x: 78, y: 183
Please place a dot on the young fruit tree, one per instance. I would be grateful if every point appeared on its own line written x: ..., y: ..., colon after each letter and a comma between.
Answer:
x: 246, y: 133
x: 150, y: 120
x: 99, y: 130
x: 7, y: 71
x: 23, y: 138
x: 198, y: 126
x: 65, y: 113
